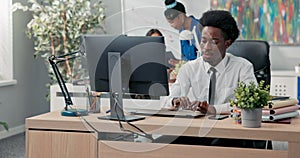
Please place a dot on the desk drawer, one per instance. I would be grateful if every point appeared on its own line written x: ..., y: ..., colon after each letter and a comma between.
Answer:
x: 114, y: 149
x: 56, y: 144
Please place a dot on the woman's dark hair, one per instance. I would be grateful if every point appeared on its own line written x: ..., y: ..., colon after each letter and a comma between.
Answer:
x: 153, y: 31
x: 174, y: 8
x: 223, y: 20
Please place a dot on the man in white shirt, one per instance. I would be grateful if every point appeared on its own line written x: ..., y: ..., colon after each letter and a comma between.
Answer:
x: 219, y: 32
x: 216, y: 69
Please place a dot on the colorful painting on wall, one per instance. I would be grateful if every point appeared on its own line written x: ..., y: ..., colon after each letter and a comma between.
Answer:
x: 275, y: 21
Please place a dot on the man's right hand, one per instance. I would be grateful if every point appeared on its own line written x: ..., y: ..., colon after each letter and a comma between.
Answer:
x: 181, y: 103
x: 185, y: 103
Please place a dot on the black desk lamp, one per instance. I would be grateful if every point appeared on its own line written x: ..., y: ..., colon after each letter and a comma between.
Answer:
x: 68, y: 101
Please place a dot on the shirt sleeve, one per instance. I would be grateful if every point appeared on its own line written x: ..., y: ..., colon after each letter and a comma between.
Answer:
x: 223, y: 108
x: 182, y: 84
x: 247, y: 74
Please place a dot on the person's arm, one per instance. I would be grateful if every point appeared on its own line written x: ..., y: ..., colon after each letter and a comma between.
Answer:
x: 247, y: 74
x: 223, y: 108
x: 181, y: 86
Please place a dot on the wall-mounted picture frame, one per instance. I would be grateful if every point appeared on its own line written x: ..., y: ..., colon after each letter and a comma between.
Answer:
x: 275, y: 21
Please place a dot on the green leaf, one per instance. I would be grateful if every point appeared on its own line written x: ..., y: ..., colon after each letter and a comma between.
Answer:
x: 251, y: 95
x: 5, y: 125
x: 47, y: 23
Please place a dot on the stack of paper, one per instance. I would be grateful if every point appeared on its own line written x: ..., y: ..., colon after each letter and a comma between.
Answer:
x: 281, y: 109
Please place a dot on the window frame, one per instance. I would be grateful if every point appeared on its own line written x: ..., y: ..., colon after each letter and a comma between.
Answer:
x: 6, y: 48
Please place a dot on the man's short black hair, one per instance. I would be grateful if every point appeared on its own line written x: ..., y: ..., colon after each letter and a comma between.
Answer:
x: 223, y: 20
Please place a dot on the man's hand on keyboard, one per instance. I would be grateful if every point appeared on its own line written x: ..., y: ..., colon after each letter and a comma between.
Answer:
x: 185, y: 103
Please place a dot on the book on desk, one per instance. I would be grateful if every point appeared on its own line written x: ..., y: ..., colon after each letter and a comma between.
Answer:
x: 280, y: 110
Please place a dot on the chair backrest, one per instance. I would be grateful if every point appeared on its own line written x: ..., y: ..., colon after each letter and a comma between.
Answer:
x: 257, y: 52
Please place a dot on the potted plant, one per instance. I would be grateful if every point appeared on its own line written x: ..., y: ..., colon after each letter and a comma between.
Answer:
x: 56, y: 27
x: 251, y: 98
x: 4, y: 124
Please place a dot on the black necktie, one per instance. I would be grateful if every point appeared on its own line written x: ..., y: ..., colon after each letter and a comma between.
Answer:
x: 212, y: 85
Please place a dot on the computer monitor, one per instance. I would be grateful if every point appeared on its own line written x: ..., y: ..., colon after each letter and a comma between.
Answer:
x: 121, y: 64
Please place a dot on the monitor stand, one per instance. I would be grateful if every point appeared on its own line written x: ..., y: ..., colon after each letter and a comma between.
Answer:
x: 116, y: 94
x: 128, y: 118
x: 117, y: 112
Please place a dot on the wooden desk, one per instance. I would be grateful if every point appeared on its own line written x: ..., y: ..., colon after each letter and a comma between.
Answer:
x: 52, y: 136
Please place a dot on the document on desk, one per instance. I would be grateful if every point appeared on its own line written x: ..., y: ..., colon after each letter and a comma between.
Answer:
x: 280, y: 110
x: 280, y: 116
x: 282, y: 103
x: 164, y: 112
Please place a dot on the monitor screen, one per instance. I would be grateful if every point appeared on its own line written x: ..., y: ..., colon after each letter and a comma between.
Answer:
x: 121, y: 64
x: 143, y: 67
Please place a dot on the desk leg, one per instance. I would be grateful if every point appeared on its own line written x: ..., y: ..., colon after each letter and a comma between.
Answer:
x: 293, y: 150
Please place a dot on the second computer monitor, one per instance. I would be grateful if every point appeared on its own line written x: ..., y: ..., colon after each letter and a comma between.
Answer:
x: 143, y: 67
x: 126, y: 64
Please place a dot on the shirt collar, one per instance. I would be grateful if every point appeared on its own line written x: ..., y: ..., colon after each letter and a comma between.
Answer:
x: 220, y: 67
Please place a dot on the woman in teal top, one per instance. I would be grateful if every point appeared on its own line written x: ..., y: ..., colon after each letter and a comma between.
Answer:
x: 177, y: 18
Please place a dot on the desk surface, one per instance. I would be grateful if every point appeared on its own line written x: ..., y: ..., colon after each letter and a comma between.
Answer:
x: 171, y: 126
x: 56, y: 127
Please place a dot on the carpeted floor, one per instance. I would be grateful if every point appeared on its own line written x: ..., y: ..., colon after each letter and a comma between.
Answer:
x: 13, y: 147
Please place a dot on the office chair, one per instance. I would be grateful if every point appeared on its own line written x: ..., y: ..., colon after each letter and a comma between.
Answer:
x: 257, y: 52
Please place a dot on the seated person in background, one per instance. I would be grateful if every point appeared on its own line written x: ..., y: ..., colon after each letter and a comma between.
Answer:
x: 151, y: 32
x: 154, y: 32
x: 177, y: 18
x: 219, y: 32
x: 169, y: 55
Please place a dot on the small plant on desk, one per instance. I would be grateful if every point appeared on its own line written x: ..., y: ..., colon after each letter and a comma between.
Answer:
x: 251, y: 98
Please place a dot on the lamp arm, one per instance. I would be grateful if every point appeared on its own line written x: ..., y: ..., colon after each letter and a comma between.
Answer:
x: 61, y: 82
x: 53, y: 60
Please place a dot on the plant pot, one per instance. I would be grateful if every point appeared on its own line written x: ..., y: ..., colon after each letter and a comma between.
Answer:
x: 251, y: 118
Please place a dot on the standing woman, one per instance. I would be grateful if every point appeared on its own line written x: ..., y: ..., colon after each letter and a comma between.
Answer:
x: 177, y: 18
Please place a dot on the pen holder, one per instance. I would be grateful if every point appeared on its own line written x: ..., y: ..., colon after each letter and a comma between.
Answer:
x: 94, y: 102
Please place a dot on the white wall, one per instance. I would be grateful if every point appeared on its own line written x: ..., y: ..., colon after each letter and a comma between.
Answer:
x: 113, y: 21
x: 28, y: 96
x: 284, y: 57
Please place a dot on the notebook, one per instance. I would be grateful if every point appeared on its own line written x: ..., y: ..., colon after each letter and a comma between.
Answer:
x: 166, y: 113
